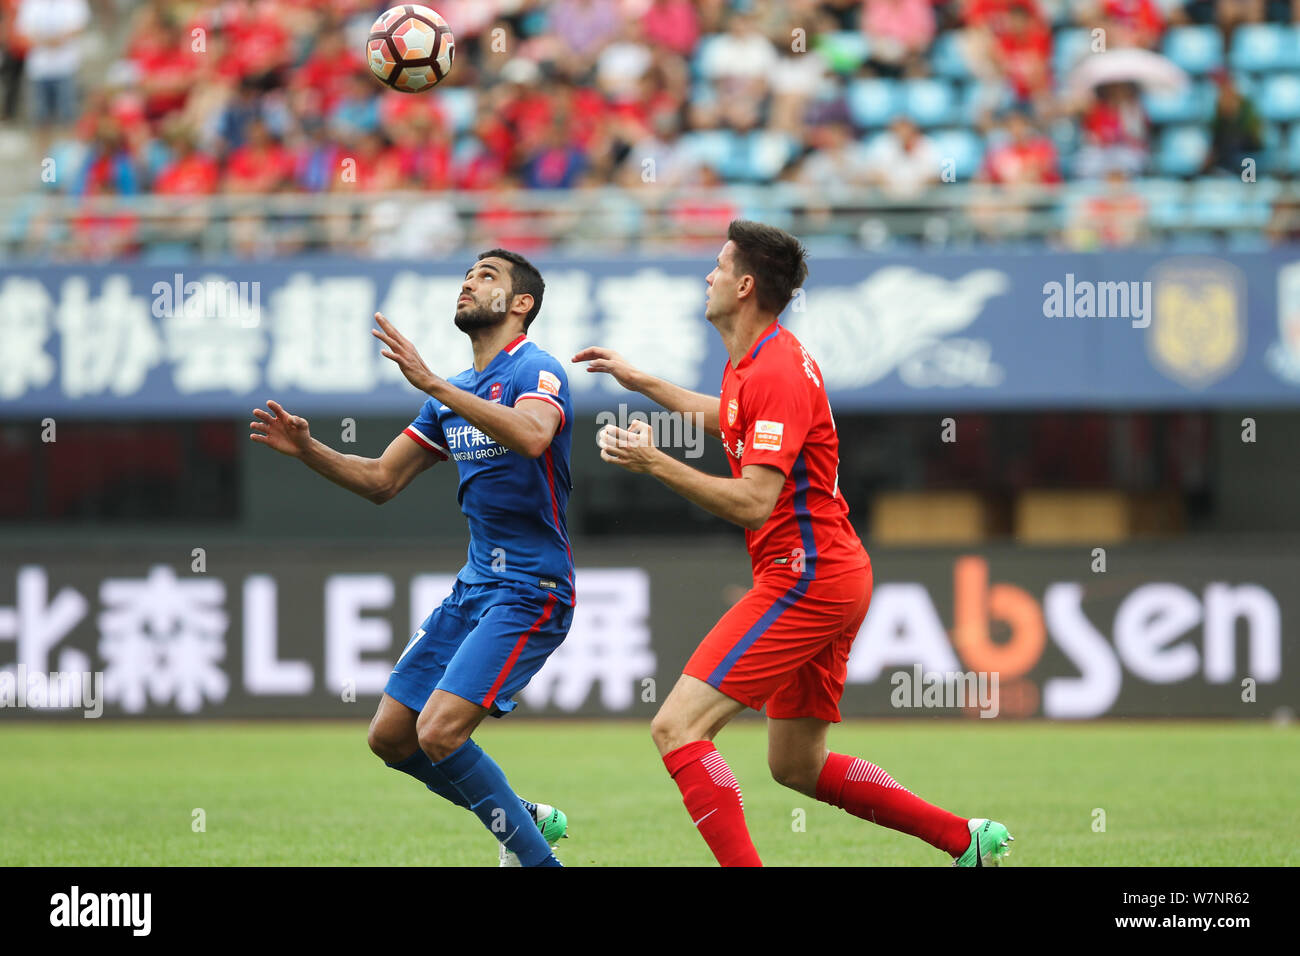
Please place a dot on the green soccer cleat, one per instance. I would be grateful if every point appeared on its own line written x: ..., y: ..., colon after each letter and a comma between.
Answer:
x: 988, y: 844
x: 553, y: 824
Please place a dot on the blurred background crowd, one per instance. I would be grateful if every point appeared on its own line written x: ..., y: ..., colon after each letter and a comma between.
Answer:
x: 974, y: 120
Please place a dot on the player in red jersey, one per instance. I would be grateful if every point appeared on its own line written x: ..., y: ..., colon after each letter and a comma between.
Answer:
x: 785, y: 644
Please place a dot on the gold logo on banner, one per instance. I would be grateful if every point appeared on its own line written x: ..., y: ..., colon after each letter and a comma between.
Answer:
x: 1198, y: 333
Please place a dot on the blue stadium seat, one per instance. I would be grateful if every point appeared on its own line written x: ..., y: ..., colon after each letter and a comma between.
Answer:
x: 1068, y: 47
x: 461, y: 104
x: 712, y: 147
x: 765, y: 154
x: 928, y: 102
x: 1198, y: 50
x: 1182, y: 150
x: 1263, y: 47
x: 963, y: 147
x: 947, y: 58
x: 1279, y: 97
x: 873, y: 102
x: 1193, y: 104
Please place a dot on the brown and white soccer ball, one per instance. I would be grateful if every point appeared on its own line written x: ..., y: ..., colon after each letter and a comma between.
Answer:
x: 410, y: 48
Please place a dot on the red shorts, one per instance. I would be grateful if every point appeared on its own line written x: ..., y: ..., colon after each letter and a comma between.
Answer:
x: 786, y: 645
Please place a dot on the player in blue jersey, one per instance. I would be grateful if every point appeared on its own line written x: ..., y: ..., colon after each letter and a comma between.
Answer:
x: 508, y: 424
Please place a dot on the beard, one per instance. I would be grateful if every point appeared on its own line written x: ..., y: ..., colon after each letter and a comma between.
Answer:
x: 477, y: 318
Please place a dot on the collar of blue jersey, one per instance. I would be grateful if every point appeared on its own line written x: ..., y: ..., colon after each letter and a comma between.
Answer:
x: 510, y: 348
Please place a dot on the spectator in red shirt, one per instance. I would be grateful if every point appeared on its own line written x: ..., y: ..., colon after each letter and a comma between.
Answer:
x: 255, y: 44
x: 1115, y: 133
x: 261, y: 165
x: 327, y: 70
x: 1127, y: 22
x: 1020, y: 156
x: 166, y: 68
x: 376, y: 166
x: 1010, y: 40
x: 189, y: 173
x: 1024, y: 156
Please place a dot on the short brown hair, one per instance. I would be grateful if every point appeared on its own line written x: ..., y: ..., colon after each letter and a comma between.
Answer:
x: 776, y: 260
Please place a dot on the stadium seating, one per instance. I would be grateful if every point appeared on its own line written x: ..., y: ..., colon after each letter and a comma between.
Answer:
x: 1198, y: 50
x: 1182, y: 150
x: 1279, y: 97
x: 957, y: 109
x: 1193, y: 104
x: 1264, y: 47
x: 873, y: 102
x: 1070, y: 45
x: 963, y: 146
x: 948, y: 59
x: 929, y: 102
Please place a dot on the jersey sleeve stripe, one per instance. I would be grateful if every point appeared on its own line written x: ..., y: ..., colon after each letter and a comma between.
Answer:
x: 542, y: 397
x: 423, y: 440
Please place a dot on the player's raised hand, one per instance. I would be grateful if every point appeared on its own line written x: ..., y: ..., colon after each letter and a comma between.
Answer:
x: 286, y: 433
x: 401, y: 351
x: 607, y: 360
x: 632, y: 448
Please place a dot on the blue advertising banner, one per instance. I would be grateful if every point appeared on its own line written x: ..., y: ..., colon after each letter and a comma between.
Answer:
x: 890, y: 333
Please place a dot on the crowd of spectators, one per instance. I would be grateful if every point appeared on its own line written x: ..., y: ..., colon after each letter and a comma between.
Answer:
x: 250, y: 97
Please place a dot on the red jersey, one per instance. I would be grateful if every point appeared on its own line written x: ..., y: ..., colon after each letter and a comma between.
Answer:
x: 774, y: 411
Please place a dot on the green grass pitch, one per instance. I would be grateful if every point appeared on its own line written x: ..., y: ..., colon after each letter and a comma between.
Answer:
x: 108, y: 794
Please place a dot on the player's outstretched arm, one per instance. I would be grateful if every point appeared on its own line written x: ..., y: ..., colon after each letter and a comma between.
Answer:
x: 527, y: 428
x: 670, y: 396
x: 747, y: 501
x: 375, y: 479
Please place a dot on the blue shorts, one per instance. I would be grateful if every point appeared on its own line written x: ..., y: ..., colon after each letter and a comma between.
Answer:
x: 483, y: 643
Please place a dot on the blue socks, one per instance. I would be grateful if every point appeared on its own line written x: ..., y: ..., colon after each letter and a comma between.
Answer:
x: 484, y: 786
x: 470, y: 778
x: 419, y: 766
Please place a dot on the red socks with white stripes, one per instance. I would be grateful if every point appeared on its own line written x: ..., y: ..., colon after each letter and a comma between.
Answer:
x: 866, y: 791
x: 712, y: 797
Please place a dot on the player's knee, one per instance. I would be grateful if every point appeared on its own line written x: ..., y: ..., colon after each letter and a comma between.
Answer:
x: 668, y: 732
x: 387, y: 743
x: 796, y: 776
x: 440, y: 740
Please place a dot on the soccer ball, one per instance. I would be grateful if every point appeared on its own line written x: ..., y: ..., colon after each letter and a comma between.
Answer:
x: 410, y: 48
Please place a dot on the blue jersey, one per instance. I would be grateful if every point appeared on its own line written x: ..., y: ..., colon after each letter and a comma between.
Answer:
x: 515, y: 505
